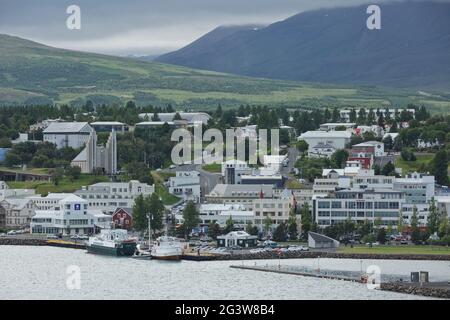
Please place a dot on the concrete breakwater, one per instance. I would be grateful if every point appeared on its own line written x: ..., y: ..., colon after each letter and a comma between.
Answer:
x: 313, y: 254
x: 430, y: 289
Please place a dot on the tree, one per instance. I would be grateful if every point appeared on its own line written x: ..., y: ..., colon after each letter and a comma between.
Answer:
x: 381, y: 236
x: 370, y: 118
x: 439, y: 167
x: 335, y: 117
x: 280, y: 233
x: 377, y: 222
x: 394, y: 127
x: 267, y: 222
x: 302, y: 146
x: 229, y: 225
x: 352, y: 115
x: 306, y: 220
x: 388, y: 143
x: 388, y: 169
x: 415, y: 231
x: 251, y: 229
x: 73, y: 172
x: 56, y: 175
x: 433, y: 217
x: 292, y: 226
x: 361, y: 120
x: 339, y: 158
x: 400, y: 222
x: 443, y: 227
x: 190, y: 217
x: 177, y: 117
x: 213, y: 230
x: 140, y: 214
x: 155, y: 209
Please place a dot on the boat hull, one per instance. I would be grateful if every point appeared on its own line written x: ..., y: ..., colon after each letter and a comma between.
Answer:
x: 123, y: 250
x: 170, y: 258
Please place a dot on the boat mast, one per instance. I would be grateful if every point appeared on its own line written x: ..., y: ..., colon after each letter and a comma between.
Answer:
x: 149, y: 216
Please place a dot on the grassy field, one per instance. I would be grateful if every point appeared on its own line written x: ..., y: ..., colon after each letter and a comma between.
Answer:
x: 65, y: 185
x: 397, y: 249
x: 213, y: 167
x: 166, y: 197
x: 411, y: 166
x: 36, y: 74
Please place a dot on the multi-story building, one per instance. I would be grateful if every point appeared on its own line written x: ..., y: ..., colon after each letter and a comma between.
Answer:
x: 108, y: 196
x: 333, y: 126
x: 192, y: 118
x: 49, y: 202
x: 418, y: 188
x: 68, y: 134
x: 7, y: 192
x: 277, y: 209
x: 186, y: 184
x: 220, y: 213
x: 232, y: 170
x: 345, y: 113
x: 108, y: 126
x: 358, y: 205
x: 16, y: 212
x: 71, y: 216
x: 239, y: 194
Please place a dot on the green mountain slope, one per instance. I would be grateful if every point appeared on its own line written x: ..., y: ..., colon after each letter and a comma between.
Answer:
x: 32, y: 73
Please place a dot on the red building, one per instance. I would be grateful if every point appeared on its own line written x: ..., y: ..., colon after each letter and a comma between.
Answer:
x: 123, y: 218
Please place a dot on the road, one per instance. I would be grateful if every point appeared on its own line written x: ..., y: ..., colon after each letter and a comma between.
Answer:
x: 292, y: 156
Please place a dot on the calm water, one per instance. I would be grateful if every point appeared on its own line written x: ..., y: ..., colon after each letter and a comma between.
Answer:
x: 40, y: 273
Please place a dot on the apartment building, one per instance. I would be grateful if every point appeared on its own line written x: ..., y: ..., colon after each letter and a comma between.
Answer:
x: 186, y: 184
x: 16, y: 212
x: 239, y: 194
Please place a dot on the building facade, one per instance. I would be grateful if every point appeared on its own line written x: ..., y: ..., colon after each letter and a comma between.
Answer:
x: 68, y: 134
x: 186, y: 184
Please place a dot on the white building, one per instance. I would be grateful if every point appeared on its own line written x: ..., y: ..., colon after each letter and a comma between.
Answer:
x: 68, y: 134
x: 192, y: 118
x: 324, y: 143
x: 359, y: 206
x: 71, y: 216
x: 332, y: 126
x: 108, y: 126
x: 345, y: 113
x: 108, y: 196
x: 220, y: 213
x: 277, y: 209
x: 239, y: 194
x: 7, y: 192
x: 378, y: 147
x: 232, y: 170
x: 49, y: 202
x: 186, y: 184
x: 418, y: 188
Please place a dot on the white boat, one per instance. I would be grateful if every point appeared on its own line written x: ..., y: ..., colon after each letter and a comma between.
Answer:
x: 167, y: 248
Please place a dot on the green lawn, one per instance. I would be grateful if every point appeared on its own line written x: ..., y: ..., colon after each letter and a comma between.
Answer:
x: 65, y: 185
x: 411, y: 166
x: 397, y: 249
x: 166, y: 197
x: 213, y: 167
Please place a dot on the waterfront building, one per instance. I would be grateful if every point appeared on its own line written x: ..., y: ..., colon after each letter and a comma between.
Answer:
x: 186, y: 184
x: 237, y: 238
x: 358, y: 205
x: 277, y: 209
x: 239, y: 194
x: 220, y: 213
x: 418, y: 187
x: 68, y: 134
x: 49, y: 202
x: 71, y: 216
x: 108, y: 196
x: 324, y: 143
x: 16, y: 212
x: 122, y: 218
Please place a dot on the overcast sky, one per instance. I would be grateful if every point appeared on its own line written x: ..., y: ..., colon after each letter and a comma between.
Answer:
x: 143, y: 27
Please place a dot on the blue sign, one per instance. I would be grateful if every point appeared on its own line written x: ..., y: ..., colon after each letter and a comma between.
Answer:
x: 77, y: 206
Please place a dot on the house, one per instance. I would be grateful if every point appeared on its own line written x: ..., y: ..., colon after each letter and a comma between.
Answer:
x: 324, y: 143
x: 68, y: 134
x: 186, y: 184
x: 122, y: 218
x: 71, y: 216
x: 108, y: 196
x: 320, y: 241
x: 237, y: 238
x: 277, y: 209
x: 16, y: 212
x: 374, y: 147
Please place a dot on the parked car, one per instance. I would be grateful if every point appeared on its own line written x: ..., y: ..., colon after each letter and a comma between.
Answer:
x: 270, y: 243
x: 52, y: 236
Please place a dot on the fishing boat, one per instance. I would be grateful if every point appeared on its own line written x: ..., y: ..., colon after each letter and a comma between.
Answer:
x: 112, y: 242
x: 142, y: 253
x: 167, y: 248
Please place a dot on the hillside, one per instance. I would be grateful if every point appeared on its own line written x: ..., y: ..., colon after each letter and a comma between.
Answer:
x: 412, y: 49
x: 33, y: 73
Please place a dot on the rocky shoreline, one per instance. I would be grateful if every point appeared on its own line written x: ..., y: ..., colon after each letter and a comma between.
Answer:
x: 427, y: 289
x: 22, y: 242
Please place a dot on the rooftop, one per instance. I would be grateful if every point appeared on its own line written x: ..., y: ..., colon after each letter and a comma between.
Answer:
x: 68, y: 127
